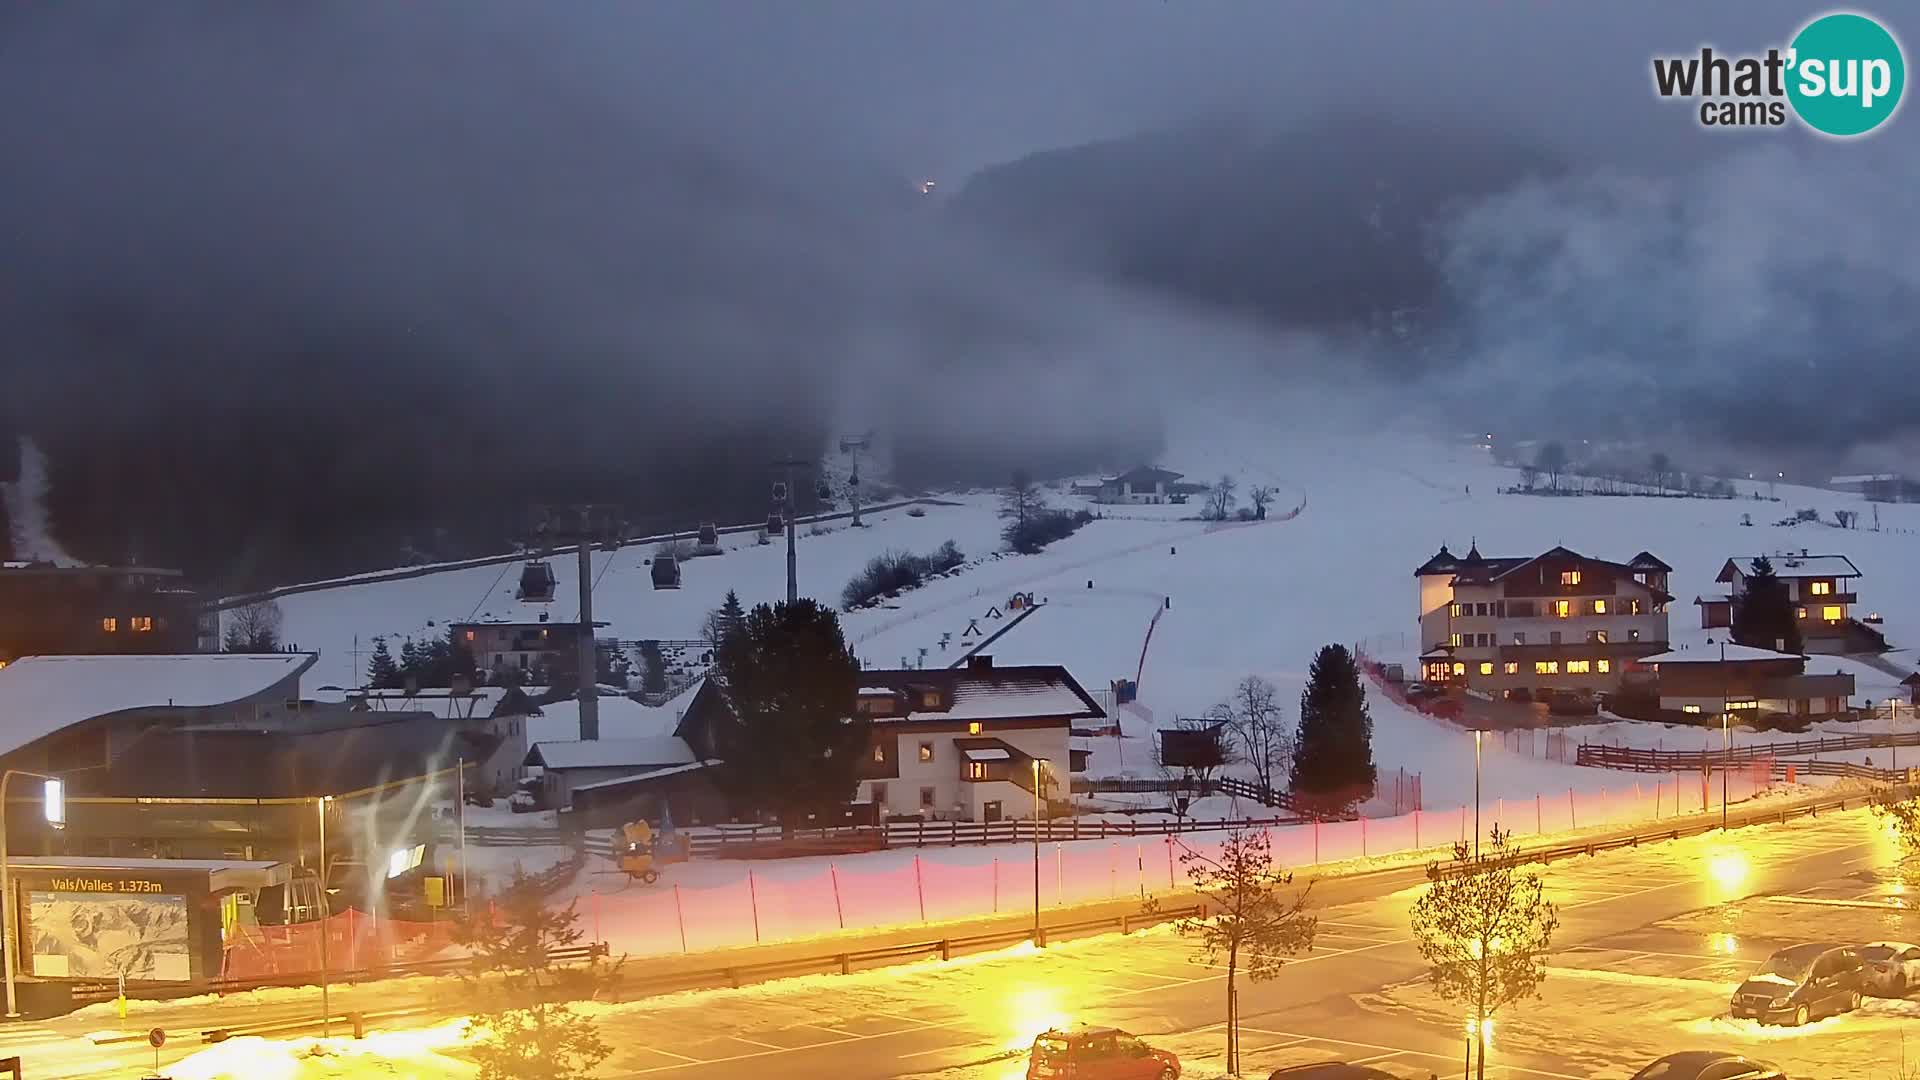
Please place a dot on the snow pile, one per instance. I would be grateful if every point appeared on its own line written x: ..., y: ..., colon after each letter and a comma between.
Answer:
x: 403, y: 1055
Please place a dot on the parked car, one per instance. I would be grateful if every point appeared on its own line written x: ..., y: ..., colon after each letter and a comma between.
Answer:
x: 522, y: 802
x: 1330, y: 1070
x: 1709, y: 1065
x: 1893, y: 968
x: 1802, y: 983
x: 1417, y: 690
x: 1098, y: 1053
x: 1573, y: 703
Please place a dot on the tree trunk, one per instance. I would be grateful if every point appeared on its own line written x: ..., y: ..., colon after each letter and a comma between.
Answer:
x: 1233, y: 1013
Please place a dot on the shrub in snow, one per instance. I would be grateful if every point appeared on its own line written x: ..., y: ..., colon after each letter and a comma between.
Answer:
x: 896, y: 571
x: 1043, y: 527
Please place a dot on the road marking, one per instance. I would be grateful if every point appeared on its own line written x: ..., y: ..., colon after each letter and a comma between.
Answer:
x: 1374, y: 1058
x: 834, y: 1030
x: 1816, y: 901
x: 1396, y: 1050
x: 771, y: 1046
x: 671, y: 1054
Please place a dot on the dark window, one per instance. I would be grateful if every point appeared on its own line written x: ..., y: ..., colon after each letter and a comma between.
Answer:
x: 926, y: 796
x: 1554, y: 637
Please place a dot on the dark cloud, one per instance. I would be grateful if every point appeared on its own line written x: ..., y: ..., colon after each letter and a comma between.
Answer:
x: 410, y: 256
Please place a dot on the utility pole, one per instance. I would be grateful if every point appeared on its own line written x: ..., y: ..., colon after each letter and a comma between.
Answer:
x: 852, y: 447
x: 783, y: 491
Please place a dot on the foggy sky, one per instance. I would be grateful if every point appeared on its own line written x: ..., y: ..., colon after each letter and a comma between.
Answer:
x: 698, y: 215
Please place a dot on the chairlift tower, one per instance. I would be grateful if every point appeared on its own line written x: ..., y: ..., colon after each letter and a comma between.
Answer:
x: 783, y: 496
x: 852, y: 448
x: 592, y: 524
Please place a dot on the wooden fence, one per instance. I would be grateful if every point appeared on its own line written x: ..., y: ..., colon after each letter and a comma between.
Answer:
x: 1639, y: 760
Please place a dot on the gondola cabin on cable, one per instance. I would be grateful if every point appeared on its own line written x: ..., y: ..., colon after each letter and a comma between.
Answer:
x: 776, y: 524
x: 666, y: 571
x: 708, y: 540
x: 536, y: 582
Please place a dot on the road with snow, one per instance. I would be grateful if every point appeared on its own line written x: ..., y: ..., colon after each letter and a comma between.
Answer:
x: 1651, y: 941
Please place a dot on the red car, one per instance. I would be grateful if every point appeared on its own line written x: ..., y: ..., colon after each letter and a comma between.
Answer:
x: 1098, y: 1053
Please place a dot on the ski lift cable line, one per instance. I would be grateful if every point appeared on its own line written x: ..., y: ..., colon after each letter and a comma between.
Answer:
x: 482, y: 602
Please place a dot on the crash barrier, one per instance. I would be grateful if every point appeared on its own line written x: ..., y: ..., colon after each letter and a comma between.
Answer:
x: 781, y: 900
x: 89, y: 993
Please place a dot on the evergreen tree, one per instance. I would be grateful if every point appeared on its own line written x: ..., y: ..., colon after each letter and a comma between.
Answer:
x: 1333, y: 751
x: 1764, y: 617
x: 796, y: 743
x: 382, y: 672
x: 409, y: 660
x: 653, y: 668
x: 723, y: 621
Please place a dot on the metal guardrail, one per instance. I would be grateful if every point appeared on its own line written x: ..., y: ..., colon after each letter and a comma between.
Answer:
x: 955, y: 833
x: 1639, y: 760
x: 93, y: 993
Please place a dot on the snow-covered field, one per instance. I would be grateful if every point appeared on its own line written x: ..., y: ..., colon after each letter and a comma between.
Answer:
x: 1235, y: 600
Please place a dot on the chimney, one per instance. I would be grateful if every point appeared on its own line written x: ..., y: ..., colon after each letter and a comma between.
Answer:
x: 980, y: 662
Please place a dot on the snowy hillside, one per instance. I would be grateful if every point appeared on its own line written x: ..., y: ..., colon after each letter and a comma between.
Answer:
x: 1232, y: 600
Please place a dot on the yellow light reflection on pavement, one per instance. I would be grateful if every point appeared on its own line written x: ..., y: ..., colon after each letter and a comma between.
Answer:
x: 1032, y: 1010
x: 1728, y: 870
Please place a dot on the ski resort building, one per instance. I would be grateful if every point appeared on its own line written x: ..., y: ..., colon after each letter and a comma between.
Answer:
x: 1823, y: 591
x: 1554, y: 621
x: 502, y: 645
x: 48, y: 610
x: 1751, y: 683
x: 948, y: 744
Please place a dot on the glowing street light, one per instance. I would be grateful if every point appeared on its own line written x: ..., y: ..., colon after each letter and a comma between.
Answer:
x: 54, y: 807
x: 1037, y: 939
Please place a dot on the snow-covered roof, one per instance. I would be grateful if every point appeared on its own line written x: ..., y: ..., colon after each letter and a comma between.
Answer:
x: 988, y: 755
x: 480, y: 702
x: 1711, y: 654
x: 868, y: 691
x: 660, y: 750
x: 221, y: 873
x: 650, y: 774
x: 1865, y: 478
x: 1793, y: 566
x: 1009, y: 699
x: 620, y: 718
x: 40, y: 695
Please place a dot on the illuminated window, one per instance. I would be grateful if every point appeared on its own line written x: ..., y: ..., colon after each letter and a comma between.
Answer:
x: 1599, y: 607
x: 1597, y: 637
x: 141, y: 623
x: 973, y: 727
x: 926, y: 751
x: 1512, y: 667
x: 1459, y: 669
x: 1832, y: 612
x: 1579, y: 667
x: 1519, y: 637
x: 110, y: 624
x: 976, y: 770
x: 1486, y: 667
x: 1743, y: 705
x: 1456, y: 610
x: 1546, y: 667
x: 879, y: 752
x: 1799, y: 613
x: 469, y: 635
x: 1569, y: 577
x: 1820, y: 588
x: 1633, y: 607
x: 1690, y: 708
x: 1563, y: 608
x: 1603, y: 666
x: 1455, y: 640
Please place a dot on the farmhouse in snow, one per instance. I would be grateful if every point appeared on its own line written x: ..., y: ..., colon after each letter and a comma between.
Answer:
x: 1823, y: 591
x: 953, y: 743
x: 1557, y: 620
x: 1751, y: 682
x: 1146, y: 484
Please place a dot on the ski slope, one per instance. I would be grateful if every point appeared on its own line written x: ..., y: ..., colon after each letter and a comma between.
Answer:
x: 1256, y: 598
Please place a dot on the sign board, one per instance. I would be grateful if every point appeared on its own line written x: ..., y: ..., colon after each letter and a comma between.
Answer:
x: 156, y: 1038
x: 436, y: 888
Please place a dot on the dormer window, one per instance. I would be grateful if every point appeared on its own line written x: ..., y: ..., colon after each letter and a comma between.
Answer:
x: 1569, y: 577
x: 973, y: 727
x: 930, y: 699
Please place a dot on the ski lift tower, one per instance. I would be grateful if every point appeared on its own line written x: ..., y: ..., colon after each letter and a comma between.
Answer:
x: 593, y: 524
x: 852, y: 448
x: 783, y: 496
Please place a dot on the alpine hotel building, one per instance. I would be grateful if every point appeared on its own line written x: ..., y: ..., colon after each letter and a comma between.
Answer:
x: 1555, y: 621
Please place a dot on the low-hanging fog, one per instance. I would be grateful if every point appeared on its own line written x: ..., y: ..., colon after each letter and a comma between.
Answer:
x: 292, y: 290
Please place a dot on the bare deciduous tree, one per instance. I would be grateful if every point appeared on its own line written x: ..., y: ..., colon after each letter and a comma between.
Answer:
x: 1221, y: 497
x: 1552, y: 460
x: 1199, y: 747
x: 1253, y: 715
x: 253, y: 628
x: 1529, y: 476
x: 1260, y: 495
x: 1251, y: 924
x: 1485, y: 927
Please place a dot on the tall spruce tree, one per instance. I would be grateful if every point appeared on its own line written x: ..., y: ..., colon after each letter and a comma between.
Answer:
x: 1333, y: 748
x: 1763, y: 618
x: 796, y: 743
x: 382, y: 672
x: 409, y: 660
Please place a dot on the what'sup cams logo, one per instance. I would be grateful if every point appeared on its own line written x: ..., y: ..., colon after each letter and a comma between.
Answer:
x: 1842, y: 76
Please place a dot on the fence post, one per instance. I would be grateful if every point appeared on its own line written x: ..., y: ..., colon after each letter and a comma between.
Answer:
x: 595, y: 902
x: 1363, y: 837
x: 1416, y: 828
x: 1169, y: 842
x: 1573, y: 815
x: 680, y: 917
x: 996, y: 885
x: 1539, y: 816
x: 1059, y: 878
x: 1113, y: 870
x: 833, y: 872
x: 1316, y: 841
x: 1140, y: 867
x: 919, y: 890
x: 753, y: 901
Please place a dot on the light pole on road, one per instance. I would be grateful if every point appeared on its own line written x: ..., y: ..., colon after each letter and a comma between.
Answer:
x: 55, y: 809
x: 1036, y: 853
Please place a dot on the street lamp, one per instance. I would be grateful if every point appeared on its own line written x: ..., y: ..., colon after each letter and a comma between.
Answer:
x: 1037, y: 939
x: 55, y: 809
x: 1477, y: 733
x: 326, y: 918
x: 1726, y: 737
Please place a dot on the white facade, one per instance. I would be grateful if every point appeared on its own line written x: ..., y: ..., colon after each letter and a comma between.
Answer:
x: 932, y: 778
